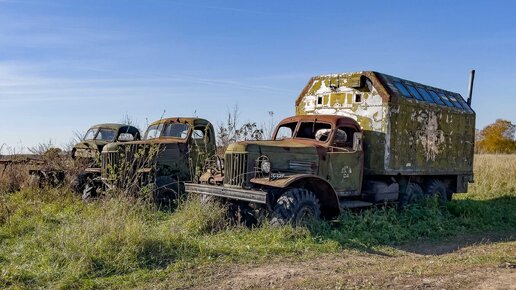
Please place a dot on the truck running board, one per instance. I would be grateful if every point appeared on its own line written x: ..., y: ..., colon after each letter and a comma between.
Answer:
x: 346, y: 204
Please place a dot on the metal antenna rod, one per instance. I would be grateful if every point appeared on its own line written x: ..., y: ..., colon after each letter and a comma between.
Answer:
x: 470, y: 89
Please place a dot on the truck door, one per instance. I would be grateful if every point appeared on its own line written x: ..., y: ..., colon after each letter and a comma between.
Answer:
x: 200, y: 148
x: 345, y: 162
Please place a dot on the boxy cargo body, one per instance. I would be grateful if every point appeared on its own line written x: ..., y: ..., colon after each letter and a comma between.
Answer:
x: 409, y: 128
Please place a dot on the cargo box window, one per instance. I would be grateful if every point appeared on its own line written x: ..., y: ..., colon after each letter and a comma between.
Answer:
x: 463, y: 103
x: 309, y: 130
x: 402, y: 89
x: 436, y: 98
x: 446, y: 100
x: 425, y: 95
x: 414, y: 93
x: 454, y: 101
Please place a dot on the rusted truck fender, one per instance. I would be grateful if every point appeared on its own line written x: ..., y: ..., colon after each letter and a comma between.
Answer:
x: 320, y: 187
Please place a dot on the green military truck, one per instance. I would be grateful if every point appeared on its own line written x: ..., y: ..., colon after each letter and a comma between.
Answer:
x: 357, y: 140
x: 87, y: 152
x: 172, y: 152
x: 98, y: 136
x: 49, y: 168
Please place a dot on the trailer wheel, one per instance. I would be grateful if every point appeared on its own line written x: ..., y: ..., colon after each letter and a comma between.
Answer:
x: 437, y: 188
x: 296, y: 207
x: 413, y: 194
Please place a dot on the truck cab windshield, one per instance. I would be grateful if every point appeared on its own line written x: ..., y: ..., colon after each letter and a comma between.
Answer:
x: 314, y: 130
x: 172, y: 130
x: 102, y: 134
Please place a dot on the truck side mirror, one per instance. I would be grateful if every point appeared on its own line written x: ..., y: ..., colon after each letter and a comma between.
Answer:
x: 357, y: 141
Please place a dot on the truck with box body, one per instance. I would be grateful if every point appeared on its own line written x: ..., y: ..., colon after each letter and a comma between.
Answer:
x: 358, y: 139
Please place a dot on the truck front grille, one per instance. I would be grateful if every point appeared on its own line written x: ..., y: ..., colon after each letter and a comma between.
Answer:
x: 235, y: 169
x: 109, y: 163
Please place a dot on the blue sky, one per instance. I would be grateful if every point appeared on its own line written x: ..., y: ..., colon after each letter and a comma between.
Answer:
x: 65, y: 65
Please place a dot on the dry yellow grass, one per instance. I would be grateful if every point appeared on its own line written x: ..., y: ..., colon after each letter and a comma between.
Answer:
x: 494, y: 174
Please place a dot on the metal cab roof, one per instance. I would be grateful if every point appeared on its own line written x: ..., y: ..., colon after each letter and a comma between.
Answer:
x: 185, y: 120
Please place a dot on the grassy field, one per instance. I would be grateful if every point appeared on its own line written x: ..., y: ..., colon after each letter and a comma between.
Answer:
x: 51, y: 239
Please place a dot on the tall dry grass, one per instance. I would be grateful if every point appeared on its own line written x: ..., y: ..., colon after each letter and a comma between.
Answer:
x: 494, y: 174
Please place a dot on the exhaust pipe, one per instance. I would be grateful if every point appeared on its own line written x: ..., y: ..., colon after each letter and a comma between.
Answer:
x: 470, y: 89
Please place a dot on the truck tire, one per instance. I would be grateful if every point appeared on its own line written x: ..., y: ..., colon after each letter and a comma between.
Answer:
x: 437, y: 188
x: 89, y: 191
x: 413, y: 194
x: 296, y: 206
x: 35, y: 181
x: 79, y: 182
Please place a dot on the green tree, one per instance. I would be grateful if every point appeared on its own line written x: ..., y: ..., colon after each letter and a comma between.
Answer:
x: 497, y: 138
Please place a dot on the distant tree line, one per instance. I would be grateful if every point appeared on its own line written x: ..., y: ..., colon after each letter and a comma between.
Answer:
x: 496, y: 138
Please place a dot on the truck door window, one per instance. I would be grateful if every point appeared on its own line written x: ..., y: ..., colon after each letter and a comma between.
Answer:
x: 285, y: 131
x: 309, y: 130
x: 343, y: 137
x: 198, y: 133
x: 124, y: 137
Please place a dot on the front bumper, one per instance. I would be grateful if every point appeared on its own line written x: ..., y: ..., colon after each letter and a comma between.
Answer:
x: 255, y: 196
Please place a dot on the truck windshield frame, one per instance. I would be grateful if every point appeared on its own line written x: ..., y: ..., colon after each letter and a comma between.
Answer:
x: 168, y: 130
x: 106, y: 134
x: 153, y: 131
x: 316, y: 126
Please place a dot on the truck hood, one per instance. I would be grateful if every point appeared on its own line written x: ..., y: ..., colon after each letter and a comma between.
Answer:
x: 290, y: 155
x: 89, y: 148
x: 167, y: 141
x: 287, y: 145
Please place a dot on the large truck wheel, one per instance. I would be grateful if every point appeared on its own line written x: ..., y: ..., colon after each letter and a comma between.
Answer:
x: 79, y: 182
x: 413, y: 194
x: 89, y: 191
x: 437, y: 188
x: 34, y: 181
x: 296, y: 207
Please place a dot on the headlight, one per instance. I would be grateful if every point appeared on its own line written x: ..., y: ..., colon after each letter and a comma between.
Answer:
x: 265, y: 167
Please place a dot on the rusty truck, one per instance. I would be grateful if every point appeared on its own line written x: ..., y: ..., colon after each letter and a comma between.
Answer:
x: 86, y: 153
x: 50, y: 167
x: 358, y: 139
x: 173, y: 151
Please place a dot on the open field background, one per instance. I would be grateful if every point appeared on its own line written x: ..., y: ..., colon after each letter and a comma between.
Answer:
x: 51, y: 239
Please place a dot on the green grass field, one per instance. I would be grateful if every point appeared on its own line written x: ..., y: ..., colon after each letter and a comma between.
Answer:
x: 51, y: 239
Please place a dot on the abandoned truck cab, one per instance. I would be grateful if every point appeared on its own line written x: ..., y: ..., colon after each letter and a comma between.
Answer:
x: 173, y: 151
x: 99, y: 135
x: 358, y: 139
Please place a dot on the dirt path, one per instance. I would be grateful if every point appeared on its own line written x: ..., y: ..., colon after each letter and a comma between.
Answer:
x: 465, y: 262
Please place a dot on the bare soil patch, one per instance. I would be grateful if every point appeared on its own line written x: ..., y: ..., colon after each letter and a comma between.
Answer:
x: 463, y: 262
